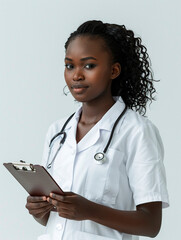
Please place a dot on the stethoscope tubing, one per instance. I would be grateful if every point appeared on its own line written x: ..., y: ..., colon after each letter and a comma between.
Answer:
x: 61, y: 132
x: 61, y: 142
x: 64, y: 138
x: 112, y: 132
x: 53, y: 159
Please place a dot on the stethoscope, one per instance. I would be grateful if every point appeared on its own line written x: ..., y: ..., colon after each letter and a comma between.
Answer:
x: 99, y: 157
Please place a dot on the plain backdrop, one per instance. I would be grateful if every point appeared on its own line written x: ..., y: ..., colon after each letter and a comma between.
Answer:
x: 32, y: 37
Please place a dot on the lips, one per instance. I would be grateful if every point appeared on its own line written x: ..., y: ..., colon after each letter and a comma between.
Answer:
x: 79, y: 88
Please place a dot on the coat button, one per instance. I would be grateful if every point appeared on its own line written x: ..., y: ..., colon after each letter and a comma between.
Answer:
x: 59, y: 227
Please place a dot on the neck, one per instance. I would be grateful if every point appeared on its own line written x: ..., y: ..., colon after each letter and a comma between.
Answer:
x: 93, y: 112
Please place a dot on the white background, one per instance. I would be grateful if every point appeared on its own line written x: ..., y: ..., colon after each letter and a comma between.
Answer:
x: 32, y: 37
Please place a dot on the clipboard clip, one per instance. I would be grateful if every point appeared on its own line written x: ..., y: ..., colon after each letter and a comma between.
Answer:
x: 23, y: 166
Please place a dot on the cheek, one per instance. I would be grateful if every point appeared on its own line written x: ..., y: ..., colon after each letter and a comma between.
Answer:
x: 93, y: 75
x: 102, y: 77
x: 105, y: 72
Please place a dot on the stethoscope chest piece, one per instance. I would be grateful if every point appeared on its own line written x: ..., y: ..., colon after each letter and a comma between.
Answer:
x: 99, y: 158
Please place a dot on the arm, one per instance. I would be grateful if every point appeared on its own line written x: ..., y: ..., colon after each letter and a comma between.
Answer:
x: 144, y: 221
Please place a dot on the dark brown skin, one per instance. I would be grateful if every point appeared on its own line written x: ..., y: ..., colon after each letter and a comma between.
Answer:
x: 145, y: 221
x: 89, y: 72
x: 39, y: 208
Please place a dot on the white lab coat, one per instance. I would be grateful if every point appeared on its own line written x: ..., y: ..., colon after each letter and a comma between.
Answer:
x: 132, y: 174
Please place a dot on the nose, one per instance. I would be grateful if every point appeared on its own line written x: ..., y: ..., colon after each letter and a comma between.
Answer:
x: 78, y: 75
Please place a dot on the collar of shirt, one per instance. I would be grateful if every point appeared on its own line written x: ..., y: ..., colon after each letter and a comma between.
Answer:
x: 109, y: 118
x: 106, y: 123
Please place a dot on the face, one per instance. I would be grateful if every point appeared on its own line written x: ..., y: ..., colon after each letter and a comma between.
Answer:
x: 88, y: 69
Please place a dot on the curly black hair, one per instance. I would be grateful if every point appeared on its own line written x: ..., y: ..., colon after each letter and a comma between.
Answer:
x: 135, y: 83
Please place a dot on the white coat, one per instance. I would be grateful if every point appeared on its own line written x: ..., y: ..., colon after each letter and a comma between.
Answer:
x: 132, y: 174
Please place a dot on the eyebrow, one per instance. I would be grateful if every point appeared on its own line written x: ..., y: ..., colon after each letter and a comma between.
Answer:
x: 82, y: 59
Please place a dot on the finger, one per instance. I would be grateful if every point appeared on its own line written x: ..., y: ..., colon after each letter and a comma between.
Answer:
x: 62, y: 198
x: 46, y: 210
x: 36, y: 205
x: 36, y: 199
x: 63, y: 210
x: 57, y: 197
x: 54, y: 202
x: 58, y: 204
x: 66, y: 215
x: 41, y: 211
x: 69, y: 193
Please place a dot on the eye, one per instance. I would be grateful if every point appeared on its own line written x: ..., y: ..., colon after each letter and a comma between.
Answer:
x: 69, y: 66
x: 90, y: 66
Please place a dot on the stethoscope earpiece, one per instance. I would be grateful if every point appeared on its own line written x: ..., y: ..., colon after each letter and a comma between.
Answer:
x: 100, y: 158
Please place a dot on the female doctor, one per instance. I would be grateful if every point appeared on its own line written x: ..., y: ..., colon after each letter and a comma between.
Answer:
x: 108, y: 158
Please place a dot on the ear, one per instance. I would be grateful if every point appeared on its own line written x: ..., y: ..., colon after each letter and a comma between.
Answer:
x: 116, y: 70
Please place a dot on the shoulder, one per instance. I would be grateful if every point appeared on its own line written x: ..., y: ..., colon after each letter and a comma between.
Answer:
x: 140, y: 140
x: 139, y: 127
x: 136, y: 122
x: 55, y: 127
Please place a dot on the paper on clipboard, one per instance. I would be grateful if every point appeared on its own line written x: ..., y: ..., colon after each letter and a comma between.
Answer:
x: 34, y: 178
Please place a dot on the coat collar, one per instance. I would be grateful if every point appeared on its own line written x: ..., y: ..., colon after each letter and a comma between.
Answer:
x: 107, y: 121
x: 109, y: 118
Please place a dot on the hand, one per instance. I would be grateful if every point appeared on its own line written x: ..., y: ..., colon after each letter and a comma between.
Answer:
x: 38, y: 206
x: 71, y: 205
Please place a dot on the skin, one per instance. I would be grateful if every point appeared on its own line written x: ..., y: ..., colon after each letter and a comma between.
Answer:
x: 39, y: 208
x: 89, y: 81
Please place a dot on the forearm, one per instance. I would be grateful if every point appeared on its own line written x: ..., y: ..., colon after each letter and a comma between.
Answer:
x: 144, y: 221
x: 138, y: 222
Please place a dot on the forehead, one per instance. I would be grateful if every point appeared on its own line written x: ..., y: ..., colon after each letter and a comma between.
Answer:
x: 86, y: 45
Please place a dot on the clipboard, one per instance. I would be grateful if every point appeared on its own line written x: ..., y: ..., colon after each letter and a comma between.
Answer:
x: 34, y: 178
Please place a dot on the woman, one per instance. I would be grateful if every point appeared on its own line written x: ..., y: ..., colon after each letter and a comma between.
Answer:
x: 106, y: 69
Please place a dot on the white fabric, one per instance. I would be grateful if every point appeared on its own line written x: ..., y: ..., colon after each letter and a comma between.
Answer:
x: 132, y: 174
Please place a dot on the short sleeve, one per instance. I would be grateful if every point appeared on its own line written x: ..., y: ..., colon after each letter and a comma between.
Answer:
x: 145, y: 168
